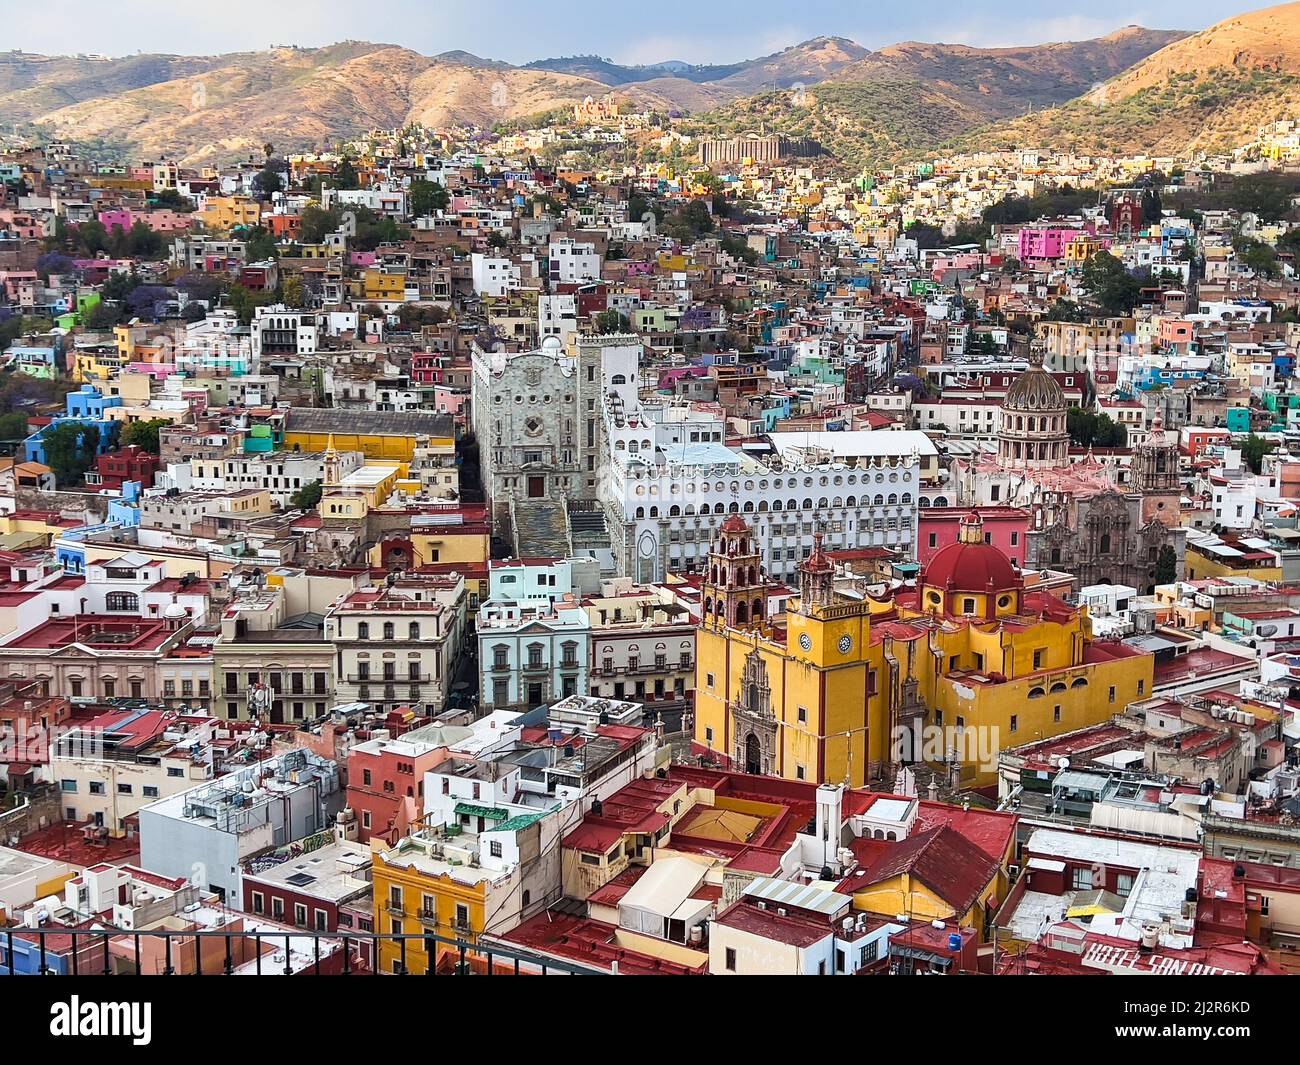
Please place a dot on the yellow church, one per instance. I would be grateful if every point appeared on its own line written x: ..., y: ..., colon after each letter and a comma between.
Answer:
x: 845, y: 687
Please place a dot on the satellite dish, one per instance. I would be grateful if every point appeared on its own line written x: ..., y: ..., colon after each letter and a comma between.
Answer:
x: 1063, y: 763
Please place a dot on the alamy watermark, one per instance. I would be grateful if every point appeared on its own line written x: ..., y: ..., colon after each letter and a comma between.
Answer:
x: 976, y: 746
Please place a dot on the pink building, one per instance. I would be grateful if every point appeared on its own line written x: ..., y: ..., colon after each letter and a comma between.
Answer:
x: 1004, y: 527
x: 1047, y: 242
x: 120, y: 217
x: 165, y: 220
x: 967, y: 260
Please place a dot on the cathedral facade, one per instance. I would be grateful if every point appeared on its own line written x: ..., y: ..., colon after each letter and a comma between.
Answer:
x: 1102, y: 521
x: 841, y: 686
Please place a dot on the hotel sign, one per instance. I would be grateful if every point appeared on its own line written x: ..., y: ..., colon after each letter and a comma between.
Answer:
x: 1124, y: 961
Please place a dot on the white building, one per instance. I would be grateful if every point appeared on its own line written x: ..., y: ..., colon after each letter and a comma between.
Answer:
x: 494, y: 276
x: 668, y: 498
x: 571, y: 262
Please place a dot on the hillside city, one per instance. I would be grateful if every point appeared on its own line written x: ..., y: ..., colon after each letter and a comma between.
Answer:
x: 602, y: 545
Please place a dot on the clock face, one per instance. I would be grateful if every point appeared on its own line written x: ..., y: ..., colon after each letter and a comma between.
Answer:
x: 805, y: 641
x: 846, y: 644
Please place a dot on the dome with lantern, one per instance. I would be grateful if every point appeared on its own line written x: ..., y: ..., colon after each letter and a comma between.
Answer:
x: 1035, y: 391
x: 971, y: 578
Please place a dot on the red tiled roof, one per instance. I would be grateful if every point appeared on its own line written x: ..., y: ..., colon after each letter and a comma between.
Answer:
x: 945, y: 861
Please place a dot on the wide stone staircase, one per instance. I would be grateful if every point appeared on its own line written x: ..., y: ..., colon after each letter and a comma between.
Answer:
x: 540, y: 529
x: 587, y: 530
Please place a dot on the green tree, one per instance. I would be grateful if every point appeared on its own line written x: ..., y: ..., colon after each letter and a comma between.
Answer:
x: 1111, y: 287
x: 144, y: 435
x: 925, y: 235
x: 1151, y: 205
x: 428, y: 197
x: 13, y: 426
x: 1253, y: 451
x: 346, y: 175
x: 268, y: 182
x: 92, y: 236
x: 610, y: 322
x: 317, y: 223
x: 1166, y: 565
x: 1089, y: 429
x: 260, y: 245
x: 307, y: 497
x: 1066, y: 311
x: 294, y: 291
x: 243, y: 301
x: 70, y: 451
x: 101, y: 316
x: 1261, y: 258
x: 142, y: 242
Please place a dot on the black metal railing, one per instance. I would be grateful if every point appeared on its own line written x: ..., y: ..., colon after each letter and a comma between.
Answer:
x: 90, y: 952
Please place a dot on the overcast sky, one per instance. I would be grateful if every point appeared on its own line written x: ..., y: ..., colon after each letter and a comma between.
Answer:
x: 720, y: 31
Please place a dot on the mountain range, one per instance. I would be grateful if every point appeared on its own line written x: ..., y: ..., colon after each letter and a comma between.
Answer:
x: 1132, y: 89
x: 1209, y: 91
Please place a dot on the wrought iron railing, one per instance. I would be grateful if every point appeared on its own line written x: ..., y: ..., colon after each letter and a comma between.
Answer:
x: 90, y: 952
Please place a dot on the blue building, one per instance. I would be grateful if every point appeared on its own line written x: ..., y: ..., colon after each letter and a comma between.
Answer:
x: 88, y: 406
x: 533, y: 632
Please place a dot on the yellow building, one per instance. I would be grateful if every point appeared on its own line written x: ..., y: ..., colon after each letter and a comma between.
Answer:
x: 227, y: 212
x: 381, y: 435
x: 454, y: 882
x: 96, y: 365
x: 844, y: 687
x: 935, y: 875
x: 381, y: 286
x: 416, y: 891
x: 458, y: 538
x: 1219, y: 559
x: 1081, y: 249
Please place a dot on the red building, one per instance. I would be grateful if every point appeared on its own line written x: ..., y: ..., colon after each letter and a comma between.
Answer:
x: 284, y: 226
x: 126, y: 464
x: 312, y: 890
x: 386, y: 784
x: 1004, y: 527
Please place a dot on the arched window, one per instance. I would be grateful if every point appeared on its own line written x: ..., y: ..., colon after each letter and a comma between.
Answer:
x: 1036, y: 693
x: 363, y: 630
x: 389, y: 631
x: 413, y: 632
x: 123, y: 601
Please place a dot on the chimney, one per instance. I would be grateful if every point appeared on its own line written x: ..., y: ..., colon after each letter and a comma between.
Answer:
x: 829, y: 823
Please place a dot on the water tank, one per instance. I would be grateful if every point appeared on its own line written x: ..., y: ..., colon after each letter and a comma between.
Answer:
x: 954, y: 942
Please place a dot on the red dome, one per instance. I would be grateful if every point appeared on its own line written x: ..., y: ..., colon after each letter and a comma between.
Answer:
x: 966, y: 567
x: 735, y: 524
